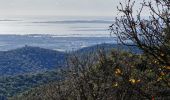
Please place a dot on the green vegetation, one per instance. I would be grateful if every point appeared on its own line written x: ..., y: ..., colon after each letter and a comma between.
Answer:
x: 119, y: 75
x: 12, y: 85
x: 111, y: 74
x: 30, y: 60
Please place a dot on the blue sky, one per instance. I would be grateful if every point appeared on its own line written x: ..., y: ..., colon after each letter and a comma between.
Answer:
x: 59, y: 7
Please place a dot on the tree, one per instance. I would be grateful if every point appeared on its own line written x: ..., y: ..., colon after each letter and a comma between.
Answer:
x: 152, y: 35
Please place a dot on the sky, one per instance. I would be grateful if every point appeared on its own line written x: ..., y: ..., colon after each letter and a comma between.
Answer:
x: 59, y: 7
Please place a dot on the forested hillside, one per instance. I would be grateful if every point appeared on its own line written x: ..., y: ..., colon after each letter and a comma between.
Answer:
x: 12, y: 85
x: 29, y: 67
x: 34, y: 59
x: 104, y: 76
x: 117, y: 74
x: 30, y: 60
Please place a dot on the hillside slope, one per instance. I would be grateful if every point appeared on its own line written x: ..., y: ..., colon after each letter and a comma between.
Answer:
x: 12, y: 85
x: 30, y: 60
x: 28, y: 65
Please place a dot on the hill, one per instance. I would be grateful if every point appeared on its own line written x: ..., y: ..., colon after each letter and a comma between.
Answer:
x: 51, y: 90
x: 30, y: 60
x: 35, y: 59
x: 32, y: 67
x: 107, y: 47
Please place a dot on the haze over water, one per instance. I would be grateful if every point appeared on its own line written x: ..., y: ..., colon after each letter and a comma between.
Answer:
x: 57, y: 25
x: 46, y: 21
x: 52, y: 32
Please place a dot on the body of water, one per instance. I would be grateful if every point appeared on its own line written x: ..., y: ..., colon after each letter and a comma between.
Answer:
x: 56, y: 25
x: 54, y: 32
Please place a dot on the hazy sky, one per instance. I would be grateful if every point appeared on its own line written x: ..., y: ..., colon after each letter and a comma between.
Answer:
x: 59, y: 7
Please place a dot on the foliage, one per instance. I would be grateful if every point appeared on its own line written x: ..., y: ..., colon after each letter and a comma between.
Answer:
x: 12, y: 85
x: 18, y: 83
x: 119, y: 75
x: 151, y: 35
x: 30, y: 60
